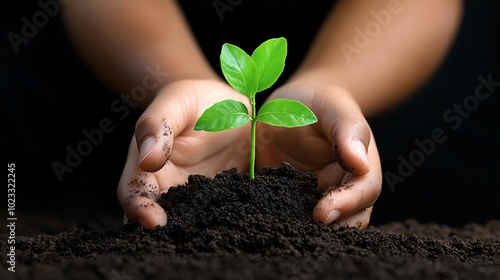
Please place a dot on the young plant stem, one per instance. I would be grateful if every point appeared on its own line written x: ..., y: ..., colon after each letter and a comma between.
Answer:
x: 249, y: 75
x: 251, y: 168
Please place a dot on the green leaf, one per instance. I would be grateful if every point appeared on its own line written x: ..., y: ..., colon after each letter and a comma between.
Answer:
x: 239, y: 70
x: 269, y: 58
x: 226, y: 114
x: 286, y: 113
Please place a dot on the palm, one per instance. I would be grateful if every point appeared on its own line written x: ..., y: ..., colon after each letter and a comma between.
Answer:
x: 339, y: 149
x: 201, y: 153
x: 174, y: 114
x: 304, y: 148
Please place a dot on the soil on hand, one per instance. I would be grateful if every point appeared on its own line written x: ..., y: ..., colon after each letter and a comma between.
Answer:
x: 230, y: 227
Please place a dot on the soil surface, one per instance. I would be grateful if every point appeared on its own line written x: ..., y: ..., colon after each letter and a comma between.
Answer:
x: 232, y: 228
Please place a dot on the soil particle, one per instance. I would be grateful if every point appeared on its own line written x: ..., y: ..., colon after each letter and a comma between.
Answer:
x: 167, y: 131
x: 140, y: 187
x: 230, y: 227
x: 338, y: 158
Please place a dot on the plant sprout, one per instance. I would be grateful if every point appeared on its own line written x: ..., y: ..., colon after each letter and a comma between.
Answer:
x: 249, y: 75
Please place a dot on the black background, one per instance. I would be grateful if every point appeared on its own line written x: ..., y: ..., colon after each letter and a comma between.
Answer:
x: 48, y: 97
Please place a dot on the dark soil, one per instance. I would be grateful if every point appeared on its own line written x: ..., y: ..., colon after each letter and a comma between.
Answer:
x: 232, y: 228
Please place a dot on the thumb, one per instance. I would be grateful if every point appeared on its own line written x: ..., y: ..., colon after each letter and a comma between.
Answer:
x: 351, y: 138
x: 343, y: 122
x: 154, y: 138
x: 157, y: 126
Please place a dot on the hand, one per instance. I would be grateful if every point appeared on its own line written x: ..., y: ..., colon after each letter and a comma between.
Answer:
x: 339, y: 149
x: 166, y: 149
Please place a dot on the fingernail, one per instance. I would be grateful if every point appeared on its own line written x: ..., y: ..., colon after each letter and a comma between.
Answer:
x: 334, y: 215
x: 359, y: 147
x: 146, y: 147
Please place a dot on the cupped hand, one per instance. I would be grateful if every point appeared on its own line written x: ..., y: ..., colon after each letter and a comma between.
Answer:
x: 165, y: 148
x: 339, y: 149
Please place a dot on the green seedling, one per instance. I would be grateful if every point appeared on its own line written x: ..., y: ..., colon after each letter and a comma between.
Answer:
x: 249, y: 75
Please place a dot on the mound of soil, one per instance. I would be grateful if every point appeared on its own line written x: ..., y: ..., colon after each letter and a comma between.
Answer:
x: 230, y: 227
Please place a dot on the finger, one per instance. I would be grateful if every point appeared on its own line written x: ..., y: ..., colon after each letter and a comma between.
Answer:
x: 343, y: 123
x: 155, y: 130
x: 356, y: 192
x: 351, y: 138
x: 359, y: 220
x: 340, y: 120
x: 146, y: 212
x: 138, y: 199
x: 330, y: 176
x: 154, y: 141
x: 137, y: 193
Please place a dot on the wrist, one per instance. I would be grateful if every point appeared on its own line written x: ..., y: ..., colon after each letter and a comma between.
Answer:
x: 318, y: 75
x: 152, y: 78
x: 368, y: 98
